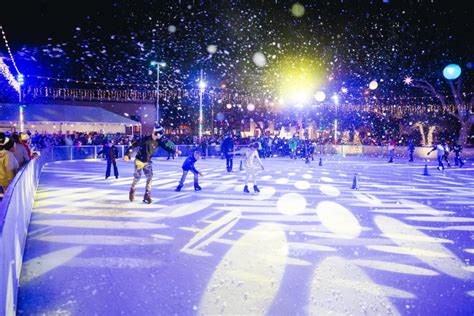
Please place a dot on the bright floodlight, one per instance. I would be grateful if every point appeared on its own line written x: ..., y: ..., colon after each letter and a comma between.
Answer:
x: 21, y: 79
x: 202, y: 85
x: 161, y: 64
x: 320, y: 96
x: 452, y: 71
x: 335, y: 98
x: 373, y: 85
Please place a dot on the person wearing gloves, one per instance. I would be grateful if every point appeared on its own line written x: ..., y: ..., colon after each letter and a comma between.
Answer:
x: 147, y: 146
x: 188, y: 165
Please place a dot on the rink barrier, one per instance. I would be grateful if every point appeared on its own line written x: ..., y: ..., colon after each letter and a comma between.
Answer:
x: 15, y: 213
x: 214, y: 151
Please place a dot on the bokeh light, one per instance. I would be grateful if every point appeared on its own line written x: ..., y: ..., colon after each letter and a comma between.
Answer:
x: 373, y: 85
x: 452, y: 71
x: 320, y: 96
x: 212, y: 49
x: 259, y: 59
x: 297, y: 10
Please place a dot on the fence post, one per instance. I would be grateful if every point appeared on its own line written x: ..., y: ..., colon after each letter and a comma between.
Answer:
x: 95, y: 151
x: 123, y: 151
x: 70, y: 152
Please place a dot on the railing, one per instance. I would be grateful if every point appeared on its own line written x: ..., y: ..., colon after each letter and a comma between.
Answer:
x: 15, y: 212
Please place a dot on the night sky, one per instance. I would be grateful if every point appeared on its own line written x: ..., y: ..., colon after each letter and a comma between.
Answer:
x: 249, y: 46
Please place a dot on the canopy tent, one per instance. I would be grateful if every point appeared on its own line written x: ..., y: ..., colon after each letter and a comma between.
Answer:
x: 62, y: 118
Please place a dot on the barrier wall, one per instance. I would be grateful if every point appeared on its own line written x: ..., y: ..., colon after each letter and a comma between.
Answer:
x: 90, y: 152
x: 15, y: 212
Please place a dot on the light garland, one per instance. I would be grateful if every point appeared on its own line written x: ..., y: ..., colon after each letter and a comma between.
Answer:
x: 93, y: 82
x: 9, y: 50
x: 8, y: 75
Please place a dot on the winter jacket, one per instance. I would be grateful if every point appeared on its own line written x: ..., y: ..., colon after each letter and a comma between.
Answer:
x: 8, y: 168
x: 188, y: 164
x: 147, y: 147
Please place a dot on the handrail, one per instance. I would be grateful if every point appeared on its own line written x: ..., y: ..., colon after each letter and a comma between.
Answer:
x: 15, y: 212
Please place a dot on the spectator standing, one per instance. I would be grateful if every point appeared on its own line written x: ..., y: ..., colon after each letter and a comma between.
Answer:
x: 8, y: 164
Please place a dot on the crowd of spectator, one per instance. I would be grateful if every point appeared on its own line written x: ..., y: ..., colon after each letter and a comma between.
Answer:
x: 16, y: 150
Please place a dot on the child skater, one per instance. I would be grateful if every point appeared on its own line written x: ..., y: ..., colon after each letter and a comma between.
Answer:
x: 188, y: 165
x: 250, y: 155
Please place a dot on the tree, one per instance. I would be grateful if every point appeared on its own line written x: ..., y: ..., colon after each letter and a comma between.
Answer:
x: 462, y: 109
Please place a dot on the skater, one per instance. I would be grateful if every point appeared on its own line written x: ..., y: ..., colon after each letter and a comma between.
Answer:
x: 227, y: 148
x: 204, y: 145
x: 110, y: 153
x: 188, y: 165
x: 446, y: 154
x: 293, y: 146
x: 250, y: 155
x: 171, y: 145
x: 391, y: 150
x: 148, y: 145
x: 440, y: 151
x: 411, y: 149
x: 457, y: 155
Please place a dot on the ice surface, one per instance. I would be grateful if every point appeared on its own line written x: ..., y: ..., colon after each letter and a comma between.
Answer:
x: 398, y: 245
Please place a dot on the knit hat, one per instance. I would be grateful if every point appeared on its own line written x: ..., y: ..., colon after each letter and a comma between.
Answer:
x: 158, y: 130
x: 3, y: 139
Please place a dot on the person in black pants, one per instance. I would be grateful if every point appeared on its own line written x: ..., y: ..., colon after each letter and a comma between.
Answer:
x: 411, y: 149
x: 110, y: 153
x: 227, y: 149
x: 188, y: 165
x: 457, y: 155
x: 147, y: 145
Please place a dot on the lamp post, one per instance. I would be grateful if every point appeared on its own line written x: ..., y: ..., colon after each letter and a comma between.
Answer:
x: 21, y: 81
x: 158, y: 65
x: 335, y: 98
x: 202, y: 87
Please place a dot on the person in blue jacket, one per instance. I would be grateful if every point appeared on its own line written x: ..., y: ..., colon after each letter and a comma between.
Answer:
x: 188, y: 165
x: 411, y: 149
x: 110, y: 153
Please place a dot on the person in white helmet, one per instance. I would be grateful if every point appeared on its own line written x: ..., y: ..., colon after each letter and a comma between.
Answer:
x: 148, y: 145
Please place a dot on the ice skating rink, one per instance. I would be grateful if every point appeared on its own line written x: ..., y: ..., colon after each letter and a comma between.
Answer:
x: 308, y: 244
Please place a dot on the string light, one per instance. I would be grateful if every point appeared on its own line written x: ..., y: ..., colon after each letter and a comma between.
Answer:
x: 8, y: 75
x: 91, y: 82
x: 9, y: 50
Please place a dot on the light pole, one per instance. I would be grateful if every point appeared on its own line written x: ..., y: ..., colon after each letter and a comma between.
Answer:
x: 21, y: 81
x: 158, y: 65
x: 335, y: 98
x: 202, y: 87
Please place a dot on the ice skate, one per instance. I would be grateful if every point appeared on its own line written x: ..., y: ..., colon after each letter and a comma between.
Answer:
x: 178, y: 188
x: 256, y: 189
x: 131, y: 194
x: 197, y: 187
x: 246, y: 189
x: 147, y: 198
